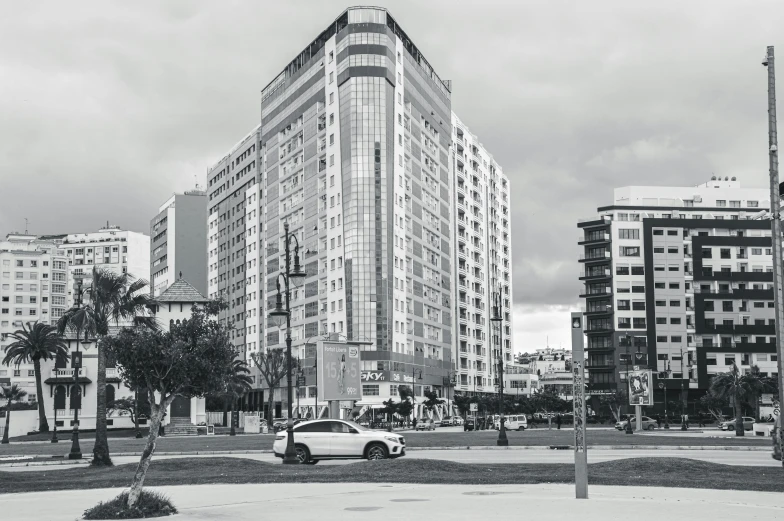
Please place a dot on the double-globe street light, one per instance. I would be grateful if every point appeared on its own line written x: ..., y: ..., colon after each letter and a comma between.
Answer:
x: 499, y: 319
x: 290, y: 275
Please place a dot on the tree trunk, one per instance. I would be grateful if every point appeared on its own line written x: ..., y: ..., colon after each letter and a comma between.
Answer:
x: 739, y: 431
x: 232, y: 432
x: 101, y: 448
x: 149, y: 449
x: 7, y: 423
x: 271, y: 409
x: 43, y: 425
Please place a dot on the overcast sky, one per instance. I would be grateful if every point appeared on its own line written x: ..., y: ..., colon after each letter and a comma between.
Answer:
x: 106, y: 108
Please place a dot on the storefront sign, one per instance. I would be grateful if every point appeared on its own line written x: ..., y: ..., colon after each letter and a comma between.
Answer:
x: 375, y: 376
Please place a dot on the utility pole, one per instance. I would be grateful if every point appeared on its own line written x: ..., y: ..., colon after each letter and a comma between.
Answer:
x: 775, y: 207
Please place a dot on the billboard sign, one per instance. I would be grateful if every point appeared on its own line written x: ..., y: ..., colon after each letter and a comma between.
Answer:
x: 339, y: 371
x: 640, y: 392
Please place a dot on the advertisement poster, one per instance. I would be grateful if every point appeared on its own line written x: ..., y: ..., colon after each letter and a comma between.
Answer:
x: 339, y: 371
x: 640, y: 392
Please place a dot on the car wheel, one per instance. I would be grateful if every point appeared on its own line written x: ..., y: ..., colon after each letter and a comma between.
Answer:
x: 651, y: 427
x: 303, y: 454
x: 521, y: 428
x: 377, y: 451
x: 730, y: 427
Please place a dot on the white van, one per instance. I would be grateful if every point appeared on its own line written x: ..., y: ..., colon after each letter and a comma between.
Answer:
x: 514, y: 422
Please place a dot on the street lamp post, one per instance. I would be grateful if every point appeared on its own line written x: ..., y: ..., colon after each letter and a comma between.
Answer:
x: 414, y: 371
x: 54, y: 432
x: 76, y: 364
x: 290, y: 275
x: 683, y: 398
x: 499, y: 319
x: 628, y: 360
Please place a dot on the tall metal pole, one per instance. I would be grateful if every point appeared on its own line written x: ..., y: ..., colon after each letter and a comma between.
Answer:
x: 578, y: 392
x: 684, y: 399
x: 775, y: 207
x: 499, y: 319
x: 290, y: 456
x: 76, y: 450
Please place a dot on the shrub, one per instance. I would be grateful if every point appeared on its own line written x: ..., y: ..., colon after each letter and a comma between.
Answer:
x: 150, y: 504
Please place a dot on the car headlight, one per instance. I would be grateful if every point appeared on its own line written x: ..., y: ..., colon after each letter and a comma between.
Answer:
x: 393, y: 439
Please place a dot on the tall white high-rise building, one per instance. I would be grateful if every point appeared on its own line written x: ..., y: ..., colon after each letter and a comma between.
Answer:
x: 483, y: 262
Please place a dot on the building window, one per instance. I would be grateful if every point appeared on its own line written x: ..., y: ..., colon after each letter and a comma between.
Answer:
x: 630, y: 251
x: 628, y: 233
x: 370, y: 390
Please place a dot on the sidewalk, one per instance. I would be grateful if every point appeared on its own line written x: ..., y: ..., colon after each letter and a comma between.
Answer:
x: 327, y: 502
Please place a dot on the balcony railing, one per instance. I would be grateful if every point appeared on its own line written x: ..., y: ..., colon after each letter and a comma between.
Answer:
x: 67, y: 373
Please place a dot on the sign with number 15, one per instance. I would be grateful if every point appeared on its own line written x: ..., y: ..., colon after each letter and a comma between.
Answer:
x: 339, y: 371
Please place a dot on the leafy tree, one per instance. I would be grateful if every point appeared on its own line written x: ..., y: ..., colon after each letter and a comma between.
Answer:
x: 735, y: 387
x: 237, y: 384
x: 406, y: 405
x: 463, y: 403
x: 126, y: 406
x: 273, y: 366
x: 190, y: 360
x: 615, y: 402
x: 432, y: 400
x: 36, y: 342
x: 12, y: 393
x: 713, y: 405
x: 114, y: 299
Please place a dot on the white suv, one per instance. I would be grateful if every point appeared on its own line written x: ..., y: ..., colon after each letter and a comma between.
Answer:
x: 315, y: 440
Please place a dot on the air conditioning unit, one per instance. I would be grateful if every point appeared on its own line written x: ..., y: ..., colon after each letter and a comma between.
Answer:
x: 697, y: 198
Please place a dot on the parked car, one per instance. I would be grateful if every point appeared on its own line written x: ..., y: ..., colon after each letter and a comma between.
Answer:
x: 457, y: 421
x: 729, y: 425
x: 469, y: 424
x: 425, y: 424
x: 515, y: 422
x: 648, y: 424
x: 446, y: 422
x: 774, y: 432
x: 317, y: 440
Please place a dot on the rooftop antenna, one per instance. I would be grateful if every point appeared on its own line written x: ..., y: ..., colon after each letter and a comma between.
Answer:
x: 26, y: 223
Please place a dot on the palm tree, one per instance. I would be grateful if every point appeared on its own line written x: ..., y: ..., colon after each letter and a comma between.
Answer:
x: 735, y: 387
x: 12, y: 393
x: 36, y: 342
x: 759, y: 384
x: 114, y: 298
x: 237, y: 384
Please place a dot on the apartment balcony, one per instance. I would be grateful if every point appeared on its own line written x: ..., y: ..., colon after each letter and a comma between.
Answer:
x: 597, y: 294
x: 63, y: 375
x: 596, y: 274
x: 600, y: 366
x: 593, y: 238
x: 594, y: 222
x: 597, y: 311
x: 606, y: 256
x: 740, y: 276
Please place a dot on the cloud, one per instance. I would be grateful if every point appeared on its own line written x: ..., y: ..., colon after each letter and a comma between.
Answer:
x: 110, y: 107
x: 654, y: 149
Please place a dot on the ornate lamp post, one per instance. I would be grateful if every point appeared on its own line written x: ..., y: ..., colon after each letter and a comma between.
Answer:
x: 277, y: 315
x: 499, y: 319
x: 76, y: 365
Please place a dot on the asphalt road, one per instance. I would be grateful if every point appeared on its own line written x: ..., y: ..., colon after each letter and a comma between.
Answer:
x: 747, y: 458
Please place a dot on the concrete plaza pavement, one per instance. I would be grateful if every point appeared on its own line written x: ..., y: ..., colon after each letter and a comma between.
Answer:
x: 346, y: 502
x: 749, y: 458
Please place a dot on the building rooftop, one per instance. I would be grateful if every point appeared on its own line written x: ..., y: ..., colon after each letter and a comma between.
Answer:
x: 181, y: 291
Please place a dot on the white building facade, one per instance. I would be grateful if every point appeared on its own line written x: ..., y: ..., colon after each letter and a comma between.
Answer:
x: 682, y: 275
x: 483, y: 262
